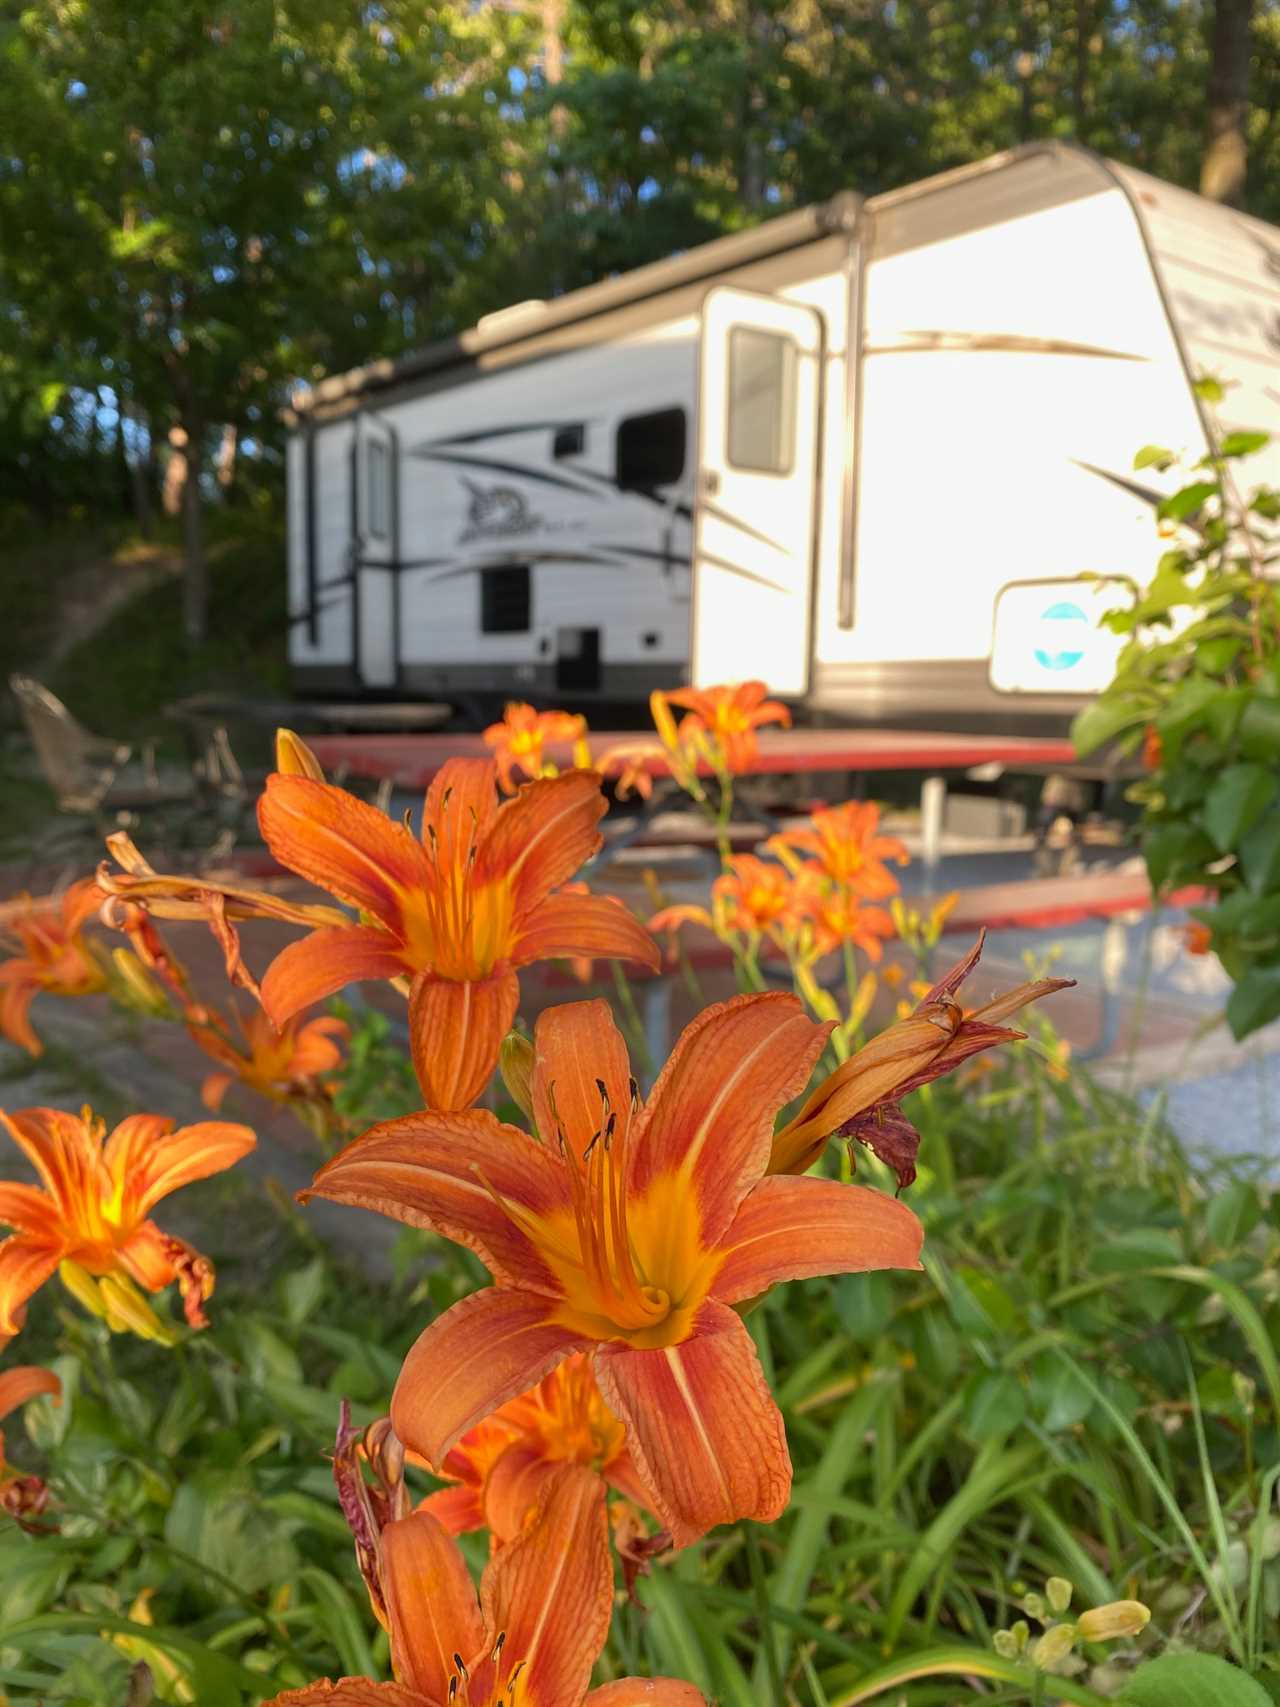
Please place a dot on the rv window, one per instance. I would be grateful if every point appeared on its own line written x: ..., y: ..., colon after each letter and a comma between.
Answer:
x: 377, y: 469
x: 504, y: 599
x: 761, y: 411
x: 650, y: 450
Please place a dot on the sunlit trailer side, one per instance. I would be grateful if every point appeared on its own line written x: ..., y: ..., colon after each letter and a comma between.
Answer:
x: 861, y: 451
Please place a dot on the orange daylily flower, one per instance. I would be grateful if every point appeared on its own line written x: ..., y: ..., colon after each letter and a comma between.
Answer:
x: 283, y: 1066
x: 519, y: 739
x: 1198, y: 937
x: 627, y: 1232
x: 836, y: 918
x: 90, y: 1212
x: 458, y: 910
x: 23, y: 1497
x: 860, y: 1099
x: 53, y: 955
x: 847, y: 846
x: 499, y: 1467
x: 546, y: 1600
x: 728, y: 716
x: 1152, y: 748
x: 750, y: 898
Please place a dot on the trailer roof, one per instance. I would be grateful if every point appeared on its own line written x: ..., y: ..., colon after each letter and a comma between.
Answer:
x: 526, y: 319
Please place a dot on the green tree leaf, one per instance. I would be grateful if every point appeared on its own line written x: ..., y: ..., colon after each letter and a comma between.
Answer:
x: 1192, y: 1680
x: 1236, y: 801
x: 1255, y: 1001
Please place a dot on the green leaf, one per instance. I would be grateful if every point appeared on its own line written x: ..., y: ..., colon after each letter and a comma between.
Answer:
x: 1236, y: 801
x: 957, y: 1661
x: 1210, y: 389
x: 1192, y: 1680
x: 1254, y: 1002
x: 1174, y: 851
x: 302, y: 1289
x: 1104, y: 720
x: 1187, y: 501
x: 1260, y: 729
x: 1153, y: 456
x: 1059, y: 1393
x: 1260, y: 855
x: 1243, y: 444
x: 995, y: 1405
x: 1233, y: 1213
x: 1140, y: 1248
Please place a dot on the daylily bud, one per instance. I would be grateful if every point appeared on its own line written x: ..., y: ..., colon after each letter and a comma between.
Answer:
x: 83, y: 1288
x: 136, y: 987
x: 295, y: 758
x: 1058, y: 1592
x: 1005, y: 1644
x: 515, y: 1063
x: 1116, y: 1619
x: 127, y: 1311
x: 1054, y: 1646
x: 663, y: 721
x: 1033, y: 1606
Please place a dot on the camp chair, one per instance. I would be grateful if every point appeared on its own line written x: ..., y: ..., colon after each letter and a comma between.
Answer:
x: 81, y: 768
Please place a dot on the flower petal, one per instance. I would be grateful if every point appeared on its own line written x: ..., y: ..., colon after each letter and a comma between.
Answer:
x: 709, y: 1118
x: 794, y: 1229
x: 28, y: 1381
x: 172, y: 1159
x: 58, y: 1148
x: 512, y: 1488
x: 646, y: 1692
x: 460, y: 805
x: 316, y: 965
x: 25, y: 1265
x: 445, y: 1172
x: 539, y: 839
x: 457, y: 1508
x: 431, y: 1603
x: 149, y: 1256
x: 550, y: 1589
x: 342, y: 844
x: 349, y: 1692
x: 16, y: 995
x: 455, y: 1032
x: 214, y: 1089
x: 565, y: 926
x: 27, y: 1209
x: 578, y: 1048
x: 486, y: 1349
x: 703, y: 1430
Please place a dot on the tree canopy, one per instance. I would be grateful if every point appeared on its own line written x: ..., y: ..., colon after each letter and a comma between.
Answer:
x: 205, y: 201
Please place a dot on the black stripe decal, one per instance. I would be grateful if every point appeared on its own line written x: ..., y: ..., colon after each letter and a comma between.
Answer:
x: 490, y: 465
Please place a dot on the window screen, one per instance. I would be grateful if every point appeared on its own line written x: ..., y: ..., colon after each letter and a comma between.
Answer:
x: 762, y: 389
x: 378, y: 471
x: 504, y: 599
x: 650, y: 450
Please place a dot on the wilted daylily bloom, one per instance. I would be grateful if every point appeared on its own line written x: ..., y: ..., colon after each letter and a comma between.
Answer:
x: 729, y: 717
x: 53, y: 955
x: 89, y: 1215
x: 283, y: 1066
x: 23, y: 1497
x: 846, y: 843
x: 860, y: 1099
x: 457, y: 910
x: 546, y: 1600
x: 499, y: 1467
x: 627, y: 1232
x: 518, y: 741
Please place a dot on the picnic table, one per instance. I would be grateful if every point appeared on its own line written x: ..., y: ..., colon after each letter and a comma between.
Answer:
x: 410, y: 761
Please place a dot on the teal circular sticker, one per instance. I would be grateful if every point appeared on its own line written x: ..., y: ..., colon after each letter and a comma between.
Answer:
x: 1062, y: 638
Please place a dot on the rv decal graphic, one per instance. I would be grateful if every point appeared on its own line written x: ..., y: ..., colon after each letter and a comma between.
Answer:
x: 1062, y: 637
x: 497, y: 512
x: 912, y: 343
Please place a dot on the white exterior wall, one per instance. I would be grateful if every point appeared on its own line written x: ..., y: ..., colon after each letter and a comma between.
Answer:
x: 969, y: 457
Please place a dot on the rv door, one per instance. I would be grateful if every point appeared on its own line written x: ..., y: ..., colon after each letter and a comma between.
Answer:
x: 375, y: 550
x: 759, y: 405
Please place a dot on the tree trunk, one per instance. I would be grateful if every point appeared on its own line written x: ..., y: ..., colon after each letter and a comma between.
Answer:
x: 226, y: 460
x: 751, y: 164
x: 175, y: 472
x: 195, y: 571
x: 1226, y: 154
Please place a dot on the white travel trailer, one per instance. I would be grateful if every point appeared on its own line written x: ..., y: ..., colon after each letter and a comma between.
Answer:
x: 860, y: 451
